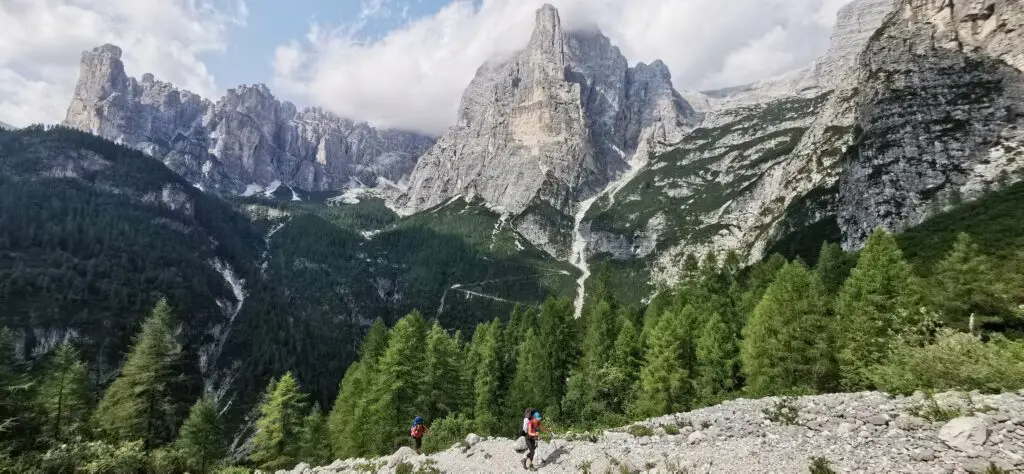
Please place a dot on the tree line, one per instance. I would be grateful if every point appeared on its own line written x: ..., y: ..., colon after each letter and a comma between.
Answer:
x: 849, y: 323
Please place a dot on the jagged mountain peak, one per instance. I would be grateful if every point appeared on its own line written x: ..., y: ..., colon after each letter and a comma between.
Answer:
x: 547, y: 31
x: 247, y: 137
x: 548, y: 128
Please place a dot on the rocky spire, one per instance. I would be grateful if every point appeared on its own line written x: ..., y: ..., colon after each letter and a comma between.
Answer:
x: 547, y: 39
x: 548, y: 128
x: 101, y: 78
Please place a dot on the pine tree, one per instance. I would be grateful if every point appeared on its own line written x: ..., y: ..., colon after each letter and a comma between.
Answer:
x: 16, y: 422
x: 487, y: 361
x: 375, y: 342
x: 344, y: 424
x: 558, y: 338
x: 659, y: 304
x: 602, y: 326
x: 349, y: 412
x: 760, y: 276
x: 717, y: 360
x: 833, y: 266
x: 628, y: 355
x: 966, y: 285
x: 201, y: 440
x: 314, y: 443
x: 618, y: 380
x: 665, y: 381
x: 525, y: 390
x: 786, y: 345
x: 599, y: 335
x: 448, y: 391
x: 140, y: 403
x: 279, y: 427
x: 872, y: 305
x: 63, y: 396
x: 400, y: 385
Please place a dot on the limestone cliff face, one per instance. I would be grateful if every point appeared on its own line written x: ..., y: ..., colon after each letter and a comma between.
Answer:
x: 246, y: 137
x: 915, y: 106
x: 938, y: 115
x: 762, y: 164
x: 550, y: 127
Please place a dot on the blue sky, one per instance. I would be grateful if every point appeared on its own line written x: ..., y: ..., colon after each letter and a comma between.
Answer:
x: 250, y: 51
x: 393, y: 63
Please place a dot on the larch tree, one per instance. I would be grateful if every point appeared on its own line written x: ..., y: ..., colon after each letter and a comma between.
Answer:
x: 400, y: 385
x: 63, y: 395
x: 201, y: 440
x: 140, y: 403
x: 717, y: 365
x: 487, y: 358
x: 279, y: 427
x: 879, y: 299
x: 787, y: 344
x: 665, y: 385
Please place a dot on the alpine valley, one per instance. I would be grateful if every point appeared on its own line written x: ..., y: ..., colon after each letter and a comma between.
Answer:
x: 279, y: 235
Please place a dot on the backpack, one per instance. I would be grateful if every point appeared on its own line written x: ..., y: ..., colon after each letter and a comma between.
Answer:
x: 526, y: 417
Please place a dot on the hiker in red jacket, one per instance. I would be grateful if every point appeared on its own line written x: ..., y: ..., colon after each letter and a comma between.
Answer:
x: 533, y: 429
x: 417, y: 432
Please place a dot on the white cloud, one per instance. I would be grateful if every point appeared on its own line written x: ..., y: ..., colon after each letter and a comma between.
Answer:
x: 43, y: 39
x: 414, y: 76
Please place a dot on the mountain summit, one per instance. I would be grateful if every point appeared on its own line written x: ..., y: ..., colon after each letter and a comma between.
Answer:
x: 550, y: 127
x: 247, y: 138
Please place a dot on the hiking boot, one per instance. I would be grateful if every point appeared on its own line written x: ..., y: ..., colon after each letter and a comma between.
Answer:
x: 524, y: 464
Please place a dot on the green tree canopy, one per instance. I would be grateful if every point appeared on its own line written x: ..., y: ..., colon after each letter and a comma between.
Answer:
x: 201, y: 441
x: 787, y: 344
x: 141, y: 402
x: 63, y: 395
x: 873, y: 304
x: 279, y: 427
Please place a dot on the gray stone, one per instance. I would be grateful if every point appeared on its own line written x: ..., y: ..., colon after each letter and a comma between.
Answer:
x: 403, y: 454
x: 964, y: 433
x: 472, y: 439
x: 878, y: 420
x: 246, y: 137
x: 1004, y: 464
x: 696, y: 437
x: 909, y: 423
x: 924, y: 455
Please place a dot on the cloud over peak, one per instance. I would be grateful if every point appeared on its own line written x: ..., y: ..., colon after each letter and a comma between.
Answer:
x: 413, y: 77
x: 43, y: 41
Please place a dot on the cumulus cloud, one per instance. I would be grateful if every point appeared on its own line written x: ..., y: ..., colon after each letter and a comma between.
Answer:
x: 43, y: 40
x: 413, y: 77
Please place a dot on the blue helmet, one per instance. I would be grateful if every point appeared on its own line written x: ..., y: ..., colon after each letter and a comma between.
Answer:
x: 417, y: 420
x: 536, y: 415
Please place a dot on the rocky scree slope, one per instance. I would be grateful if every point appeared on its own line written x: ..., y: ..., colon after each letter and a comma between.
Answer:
x: 914, y: 107
x: 548, y: 128
x: 867, y: 432
x: 245, y: 138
